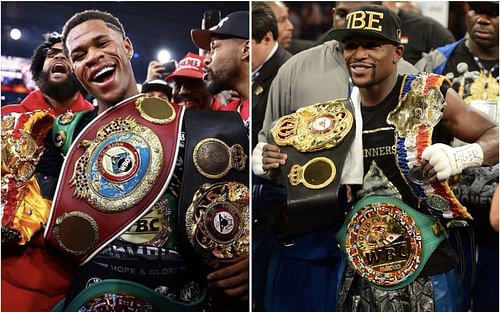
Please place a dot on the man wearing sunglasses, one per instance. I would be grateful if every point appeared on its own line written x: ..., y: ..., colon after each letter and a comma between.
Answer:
x: 471, y: 64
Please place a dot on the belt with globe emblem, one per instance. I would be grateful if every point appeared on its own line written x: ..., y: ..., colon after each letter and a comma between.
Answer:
x: 116, y: 169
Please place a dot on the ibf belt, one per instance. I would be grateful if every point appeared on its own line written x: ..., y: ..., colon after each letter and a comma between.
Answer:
x: 419, y: 110
x: 214, y: 197
x: 124, y: 296
x: 388, y: 242
x: 117, y: 168
x: 316, y: 139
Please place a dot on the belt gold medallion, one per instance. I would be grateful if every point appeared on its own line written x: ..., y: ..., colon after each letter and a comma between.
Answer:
x: 314, y: 127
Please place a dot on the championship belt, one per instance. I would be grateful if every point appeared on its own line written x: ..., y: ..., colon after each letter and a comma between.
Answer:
x: 23, y: 208
x: 126, y: 296
x: 117, y: 168
x: 419, y: 110
x: 316, y: 139
x: 483, y: 94
x: 64, y: 128
x: 387, y: 242
x: 214, y: 205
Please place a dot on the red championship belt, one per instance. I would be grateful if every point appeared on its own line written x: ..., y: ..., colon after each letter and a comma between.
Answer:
x: 117, y: 168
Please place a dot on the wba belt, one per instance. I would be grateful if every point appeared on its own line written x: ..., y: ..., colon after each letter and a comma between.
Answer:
x: 121, y: 295
x: 316, y: 139
x: 115, y: 171
x: 388, y: 242
x: 214, y: 204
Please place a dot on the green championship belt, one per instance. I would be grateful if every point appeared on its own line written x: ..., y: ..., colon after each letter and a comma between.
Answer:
x: 388, y: 242
x: 124, y: 296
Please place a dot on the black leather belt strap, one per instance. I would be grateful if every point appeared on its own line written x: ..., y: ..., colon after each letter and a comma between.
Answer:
x: 202, y: 125
x: 309, y: 209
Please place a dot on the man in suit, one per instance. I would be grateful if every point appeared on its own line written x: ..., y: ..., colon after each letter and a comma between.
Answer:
x: 267, y: 58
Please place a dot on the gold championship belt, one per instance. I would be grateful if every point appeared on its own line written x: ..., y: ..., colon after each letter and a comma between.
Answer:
x: 316, y: 139
x: 387, y: 242
x: 24, y: 210
x: 483, y: 93
x: 414, y: 118
x: 214, y: 200
x: 217, y: 222
x: 314, y: 127
x: 116, y: 170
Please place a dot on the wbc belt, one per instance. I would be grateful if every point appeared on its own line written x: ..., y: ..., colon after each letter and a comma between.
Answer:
x: 117, y: 168
x: 388, y: 242
x: 126, y: 296
x: 214, y: 205
x: 316, y: 139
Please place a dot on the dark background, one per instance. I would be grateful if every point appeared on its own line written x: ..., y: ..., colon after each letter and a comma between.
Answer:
x: 150, y: 25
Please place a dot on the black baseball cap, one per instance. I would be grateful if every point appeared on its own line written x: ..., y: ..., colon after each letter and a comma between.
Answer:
x: 234, y: 25
x: 157, y: 85
x: 484, y: 7
x: 370, y: 20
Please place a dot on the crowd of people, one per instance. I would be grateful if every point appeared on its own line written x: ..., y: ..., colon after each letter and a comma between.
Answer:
x: 373, y: 155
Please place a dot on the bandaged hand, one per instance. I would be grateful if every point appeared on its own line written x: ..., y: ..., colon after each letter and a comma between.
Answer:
x: 266, y: 158
x: 447, y: 161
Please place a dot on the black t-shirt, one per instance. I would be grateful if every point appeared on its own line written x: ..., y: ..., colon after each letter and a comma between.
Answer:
x: 382, y: 175
x: 461, y: 65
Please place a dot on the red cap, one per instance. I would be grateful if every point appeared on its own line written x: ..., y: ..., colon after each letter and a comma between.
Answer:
x: 192, y: 66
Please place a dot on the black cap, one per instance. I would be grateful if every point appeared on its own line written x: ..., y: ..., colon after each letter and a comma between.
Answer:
x: 484, y: 7
x: 157, y: 85
x: 234, y: 25
x: 370, y: 20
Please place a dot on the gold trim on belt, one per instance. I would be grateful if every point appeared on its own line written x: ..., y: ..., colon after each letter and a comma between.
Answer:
x: 317, y: 173
x: 119, y: 166
x: 314, y: 127
x: 213, y: 158
x: 217, y: 222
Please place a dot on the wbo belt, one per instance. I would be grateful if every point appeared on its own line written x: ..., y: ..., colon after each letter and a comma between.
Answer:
x: 117, y: 168
x: 214, y: 201
x: 388, y: 242
x: 121, y: 295
x: 316, y: 139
